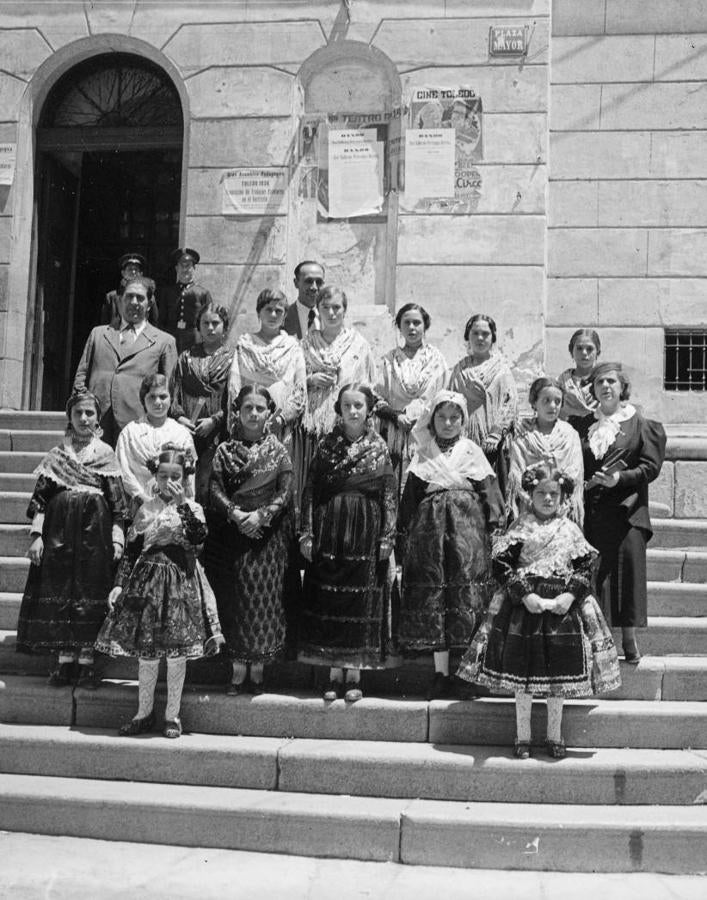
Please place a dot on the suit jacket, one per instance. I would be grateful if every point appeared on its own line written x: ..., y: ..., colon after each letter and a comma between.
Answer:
x: 114, y: 371
x: 291, y: 321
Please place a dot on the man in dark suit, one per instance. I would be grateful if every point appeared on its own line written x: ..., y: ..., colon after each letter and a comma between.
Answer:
x: 131, y: 265
x: 118, y: 356
x: 302, y: 314
x: 180, y: 303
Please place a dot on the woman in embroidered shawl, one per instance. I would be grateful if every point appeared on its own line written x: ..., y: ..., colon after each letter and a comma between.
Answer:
x: 348, y: 521
x: 141, y: 441
x: 197, y: 387
x: 162, y: 604
x: 334, y: 356
x: 544, y: 437
x: 485, y: 380
x: 411, y: 376
x: 451, y: 503
x: 77, y: 511
x: 249, y: 552
x: 544, y: 634
x: 585, y: 348
x: 623, y: 453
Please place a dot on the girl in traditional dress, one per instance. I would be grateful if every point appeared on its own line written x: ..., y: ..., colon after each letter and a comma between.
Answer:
x: 585, y: 349
x: 198, y: 384
x: 485, y: 380
x: 334, y: 356
x: 623, y: 453
x: 249, y: 558
x: 162, y: 605
x: 77, y: 511
x: 544, y: 634
x: 140, y: 441
x: 543, y: 437
x: 451, y: 503
x: 411, y: 376
x: 348, y: 521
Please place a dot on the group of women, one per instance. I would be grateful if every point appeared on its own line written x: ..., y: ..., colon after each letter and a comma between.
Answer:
x: 426, y: 514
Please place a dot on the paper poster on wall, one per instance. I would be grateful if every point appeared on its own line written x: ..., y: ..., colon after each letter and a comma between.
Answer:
x: 253, y: 192
x: 8, y: 153
x: 355, y: 173
x: 460, y: 110
x: 429, y: 165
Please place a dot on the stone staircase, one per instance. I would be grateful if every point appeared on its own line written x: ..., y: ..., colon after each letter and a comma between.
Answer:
x: 389, y: 778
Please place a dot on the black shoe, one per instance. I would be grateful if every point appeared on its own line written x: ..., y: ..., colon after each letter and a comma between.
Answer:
x: 440, y: 687
x: 62, y: 675
x: 255, y: 688
x: 521, y: 749
x: 556, y: 749
x: 88, y: 678
x: 137, y: 726
x: 233, y: 689
x: 632, y: 655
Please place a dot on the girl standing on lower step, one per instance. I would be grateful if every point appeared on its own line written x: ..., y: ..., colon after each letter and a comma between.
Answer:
x: 544, y: 634
x: 162, y: 604
x: 77, y: 511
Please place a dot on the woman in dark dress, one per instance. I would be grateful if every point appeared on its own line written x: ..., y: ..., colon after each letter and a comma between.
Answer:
x: 349, y: 507
x: 623, y: 452
x: 198, y: 383
x: 249, y: 551
x: 451, y: 504
x: 77, y: 509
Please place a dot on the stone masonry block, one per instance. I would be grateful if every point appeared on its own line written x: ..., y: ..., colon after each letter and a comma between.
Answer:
x: 244, y: 43
x: 58, y: 27
x: 691, y: 490
x: 655, y: 16
x: 680, y: 57
x: 575, y: 107
x: 576, y: 252
x: 520, y: 138
x: 678, y: 154
x: 578, y: 60
x: 572, y: 303
x: 252, y: 241
x: 578, y: 17
x: 22, y: 52
x: 231, y: 93
x: 677, y: 251
x: 467, y: 239
x: 501, y: 90
x: 231, y: 143
x: 572, y: 203
x: 659, y: 106
x: 671, y: 204
x: 662, y: 490
x: 459, y: 42
x: 652, y: 301
x: 612, y: 154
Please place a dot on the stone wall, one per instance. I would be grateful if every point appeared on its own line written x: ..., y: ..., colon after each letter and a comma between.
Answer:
x: 627, y: 217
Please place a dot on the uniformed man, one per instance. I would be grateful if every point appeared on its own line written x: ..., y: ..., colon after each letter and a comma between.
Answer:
x: 179, y: 303
x: 131, y: 265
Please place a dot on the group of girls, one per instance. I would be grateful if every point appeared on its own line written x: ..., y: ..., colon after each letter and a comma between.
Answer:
x: 393, y: 493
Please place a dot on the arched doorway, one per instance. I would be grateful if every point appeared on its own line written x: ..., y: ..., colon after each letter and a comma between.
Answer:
x: 108, y: 180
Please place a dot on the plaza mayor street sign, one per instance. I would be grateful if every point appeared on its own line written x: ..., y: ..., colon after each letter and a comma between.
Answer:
x: 508, y: 40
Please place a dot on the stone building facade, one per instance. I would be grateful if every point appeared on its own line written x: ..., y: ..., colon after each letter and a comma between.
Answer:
x: 591, y: 170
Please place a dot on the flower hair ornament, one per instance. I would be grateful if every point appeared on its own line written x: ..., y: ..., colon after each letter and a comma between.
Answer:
x: 172, y: 453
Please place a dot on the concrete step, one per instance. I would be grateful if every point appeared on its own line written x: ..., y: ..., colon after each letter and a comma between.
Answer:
x: 679, y: 534
x: 13, y: 573
x: 675, y: 599
x: 677, y: 565
x: 14, y: 539
x: 9, y: 611
x: 667, y: 635
x: 14, y: 507
x: 29, y: 440
x: 22, y: 463
x: 32, y: 420
x: 647, y: 724
x: 17, y: 482
x: 429, y: 832
x: 373, y: 768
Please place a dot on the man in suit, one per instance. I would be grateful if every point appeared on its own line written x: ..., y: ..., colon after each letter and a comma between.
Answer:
x: 302, y: 314
x: 131, y: 265
x: 180, y: 303
x: 118, y: 356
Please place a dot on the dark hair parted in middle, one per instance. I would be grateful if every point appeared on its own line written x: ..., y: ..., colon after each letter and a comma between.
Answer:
x: 480, y: 317
x: 211, y: 307
x: 362, y: 388
x: 155, y: 380
x: 539, y: 385
x: 172, y: 454
x: 602, y: 369
x: 254, y: 390
x: 409, y: 307
x: 546, y: 471
x: 270, y: 296
x: 588, y: 333
x: 330, y: 293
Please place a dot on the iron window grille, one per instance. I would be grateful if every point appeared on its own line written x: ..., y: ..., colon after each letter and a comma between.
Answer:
x: 685, y: 359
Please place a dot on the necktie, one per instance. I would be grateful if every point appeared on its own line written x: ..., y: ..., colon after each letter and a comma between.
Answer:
x: 311, y: 317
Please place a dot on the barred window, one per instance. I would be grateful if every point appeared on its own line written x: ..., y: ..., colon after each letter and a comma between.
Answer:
x: 685, y: 360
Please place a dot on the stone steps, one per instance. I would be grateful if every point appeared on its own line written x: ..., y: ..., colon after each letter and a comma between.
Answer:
x: 490, y: 721
x: 32, y: 420
x: 19, y: 463
x: 414, y: 832
x: 372, y: 768
x: 29, y: 440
